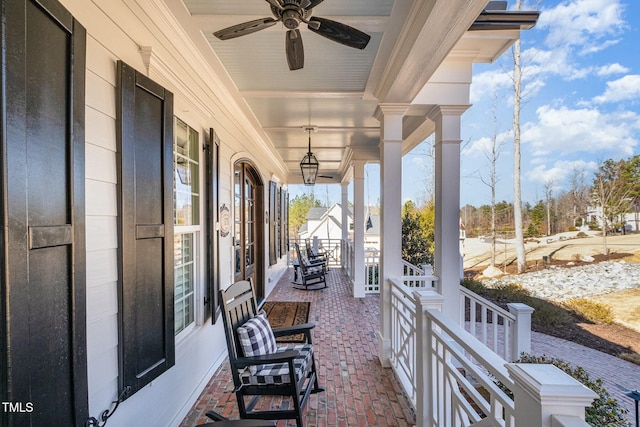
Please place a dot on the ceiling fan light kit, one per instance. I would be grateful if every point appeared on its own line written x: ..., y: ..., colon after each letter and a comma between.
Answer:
x: 291, y: 13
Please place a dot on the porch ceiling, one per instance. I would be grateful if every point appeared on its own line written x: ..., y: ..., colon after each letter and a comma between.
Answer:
x: 339, y: 88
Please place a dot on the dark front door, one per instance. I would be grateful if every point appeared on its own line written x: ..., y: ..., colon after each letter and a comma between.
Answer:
x: 42, y: 287
x: 249, y: 228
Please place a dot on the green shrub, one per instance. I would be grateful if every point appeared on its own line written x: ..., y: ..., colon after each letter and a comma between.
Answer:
x: 590, y: 310
x: 546, y: 313
x: 605, y: 410
x: 474, y: 286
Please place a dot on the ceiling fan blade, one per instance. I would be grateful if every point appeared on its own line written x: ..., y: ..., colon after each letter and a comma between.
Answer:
x: 245, y: 28
x: 340, y: 33
x: 313, y: 3
x: 305, y: 4
x: 295, y: 50
x: 275, y: 3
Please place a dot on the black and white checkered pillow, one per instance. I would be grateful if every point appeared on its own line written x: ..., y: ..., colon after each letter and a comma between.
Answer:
x: 256, y: 337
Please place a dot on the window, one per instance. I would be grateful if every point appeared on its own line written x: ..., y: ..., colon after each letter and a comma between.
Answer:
x: 186, y: 220
x: 186, y: 176
x: 184, y: 282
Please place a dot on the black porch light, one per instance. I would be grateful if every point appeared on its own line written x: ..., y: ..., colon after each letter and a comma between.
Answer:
x: 309, y: 164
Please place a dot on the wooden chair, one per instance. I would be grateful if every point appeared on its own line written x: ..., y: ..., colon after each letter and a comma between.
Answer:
x: 314, y: 255
x: 269, y: 369
x: 310, y: 272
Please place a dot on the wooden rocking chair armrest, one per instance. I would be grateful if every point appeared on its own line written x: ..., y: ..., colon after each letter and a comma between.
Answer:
x: 311, y: 265
x: 281, y: 357
x: 292, y: 330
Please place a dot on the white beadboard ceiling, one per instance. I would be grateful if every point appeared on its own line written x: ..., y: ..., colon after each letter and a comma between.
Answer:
x: 339, y: 88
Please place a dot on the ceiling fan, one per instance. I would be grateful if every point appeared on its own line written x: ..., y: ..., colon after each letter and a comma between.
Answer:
x: 292, y: 13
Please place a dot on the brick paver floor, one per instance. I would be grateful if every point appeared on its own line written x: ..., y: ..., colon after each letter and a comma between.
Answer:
x: 359, y: 391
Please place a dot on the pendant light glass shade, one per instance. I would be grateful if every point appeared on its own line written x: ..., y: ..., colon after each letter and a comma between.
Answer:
x: 309, y: 166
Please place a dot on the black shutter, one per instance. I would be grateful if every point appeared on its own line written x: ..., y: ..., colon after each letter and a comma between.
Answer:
x: 284, y: 228
x: 145, y: 169
x: 43, y: 350
x: 272, y: 222
x: 212, y: 152
x: 279, y: 223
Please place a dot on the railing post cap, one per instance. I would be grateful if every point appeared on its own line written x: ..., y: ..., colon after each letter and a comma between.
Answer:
x: 428, y: 296
x: 519, y: 308
x: 548, y: 384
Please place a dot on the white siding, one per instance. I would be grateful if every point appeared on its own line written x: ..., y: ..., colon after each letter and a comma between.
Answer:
x: 116, y: 29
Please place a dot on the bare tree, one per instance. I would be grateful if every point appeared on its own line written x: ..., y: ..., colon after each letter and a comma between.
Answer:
x: 610, y: 193
x: 579, y: 196
x: 548, y: 193
x: 517, y: 194
x: 492, y: 153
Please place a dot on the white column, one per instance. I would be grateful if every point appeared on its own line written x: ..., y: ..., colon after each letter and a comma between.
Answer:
x: 345, y: 220
x: 358, y: 228
x: 543, y: 391
x: 447, y: 205
x: 391, y: 116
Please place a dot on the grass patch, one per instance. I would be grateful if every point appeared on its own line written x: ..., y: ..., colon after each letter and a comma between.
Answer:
x: 631, y: 357
x: 592, y: 311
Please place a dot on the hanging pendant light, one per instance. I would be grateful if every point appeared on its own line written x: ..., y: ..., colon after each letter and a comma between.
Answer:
x: 309, y: 165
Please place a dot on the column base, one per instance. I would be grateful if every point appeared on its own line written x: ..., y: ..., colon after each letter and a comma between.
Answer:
x: 384, y: 350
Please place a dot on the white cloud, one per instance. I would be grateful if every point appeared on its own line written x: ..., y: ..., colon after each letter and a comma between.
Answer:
x: 590, y: 25
x: 486, y: 84
x: 607, y: 70
x: 558, y: 172
x: 562, y: 130
x: 624, y: 89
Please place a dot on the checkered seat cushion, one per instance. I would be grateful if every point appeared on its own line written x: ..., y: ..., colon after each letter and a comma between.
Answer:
x: 309, y: 268
x: 256, y: 337
x: 278, y: 373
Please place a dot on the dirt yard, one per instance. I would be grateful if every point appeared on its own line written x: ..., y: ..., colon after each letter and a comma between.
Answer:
x: 621, y: 337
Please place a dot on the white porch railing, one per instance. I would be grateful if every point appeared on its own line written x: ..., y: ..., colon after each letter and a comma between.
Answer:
x: 508, y: 334
x: 403, y: 338
x: 331, y: 248
x: 449, y: 375
x: 372, y: 271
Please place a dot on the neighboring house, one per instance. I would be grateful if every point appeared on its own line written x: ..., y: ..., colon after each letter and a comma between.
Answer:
x: 146, y: 164
x: 326, y: 224
x: 630, y: 220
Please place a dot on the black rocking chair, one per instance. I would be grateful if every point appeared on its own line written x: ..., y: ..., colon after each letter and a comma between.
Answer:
x: 270, y: 369
x: 310, y: 272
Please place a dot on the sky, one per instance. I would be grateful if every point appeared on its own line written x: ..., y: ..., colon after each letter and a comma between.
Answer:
x: 581, y: 106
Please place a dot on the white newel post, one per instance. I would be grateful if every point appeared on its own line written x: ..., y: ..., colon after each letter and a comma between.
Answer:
x: 543, y: 391
x: 390, y: 116
x: 521, y: 329
x: 345, y: 223
x: 358, y: 228
x: 447, y: 205
x: 425, y: 300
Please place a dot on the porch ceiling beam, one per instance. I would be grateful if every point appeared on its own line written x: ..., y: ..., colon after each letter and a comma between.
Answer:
x: 433, y: 26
